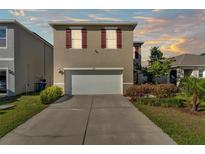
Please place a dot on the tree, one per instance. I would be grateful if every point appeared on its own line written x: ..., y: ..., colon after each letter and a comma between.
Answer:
x: 158, y: 65
x: 155, y: 54
x: 159, y: 68
x: 195, y: 87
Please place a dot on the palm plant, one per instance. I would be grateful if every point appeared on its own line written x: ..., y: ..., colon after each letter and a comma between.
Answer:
x: 195, y: 87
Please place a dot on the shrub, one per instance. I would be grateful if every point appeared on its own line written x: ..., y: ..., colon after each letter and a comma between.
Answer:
x: 50, y: 94
x: 165, y: 102
x: 139, y: 90
x: 172, y: 102
x: 164, y: 90
x: 158, y: 90
x: 149, y: 101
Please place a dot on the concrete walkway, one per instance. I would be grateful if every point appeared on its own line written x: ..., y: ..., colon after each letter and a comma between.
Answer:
x: 99, y: 119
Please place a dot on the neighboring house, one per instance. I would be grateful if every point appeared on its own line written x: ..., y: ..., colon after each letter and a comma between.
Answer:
x: 93, y: 57
x: 137, y: 62
x: 187, y: 65
x: 25, y: 58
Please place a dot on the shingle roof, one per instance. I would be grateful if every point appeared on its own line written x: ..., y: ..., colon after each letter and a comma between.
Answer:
x: 188, y: 60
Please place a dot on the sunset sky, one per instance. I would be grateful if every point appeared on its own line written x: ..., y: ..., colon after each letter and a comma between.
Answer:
x: 174, y: 31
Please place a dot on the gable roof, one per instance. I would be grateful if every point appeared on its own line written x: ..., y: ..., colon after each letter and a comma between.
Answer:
x: 188, y: 60
x: 13, y: 21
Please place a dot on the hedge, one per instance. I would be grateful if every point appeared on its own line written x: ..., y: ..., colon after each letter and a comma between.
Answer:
x: 51, y: 94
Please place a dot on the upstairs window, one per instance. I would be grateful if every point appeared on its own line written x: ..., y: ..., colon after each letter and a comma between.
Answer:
x: 76, y: 39
x: 3, y: 37
x: 111, y: 39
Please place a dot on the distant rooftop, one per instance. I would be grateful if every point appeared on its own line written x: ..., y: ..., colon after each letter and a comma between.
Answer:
x: 188, y: 60
x: 138, y: 43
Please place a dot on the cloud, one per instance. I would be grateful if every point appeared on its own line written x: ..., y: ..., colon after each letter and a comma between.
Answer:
x: 35, y: 10
x: 17, y: 12
x: 65, y: 19
x: 33, y: 18
x: 175, y: 46
x: 75, y: 19
x: 150, y: 19
x: 94, y: 17
x: 169, y: 44
x: 157, y: 10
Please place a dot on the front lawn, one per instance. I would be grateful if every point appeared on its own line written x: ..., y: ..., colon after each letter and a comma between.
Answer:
x: 25, y: 107
x: 183, y: 127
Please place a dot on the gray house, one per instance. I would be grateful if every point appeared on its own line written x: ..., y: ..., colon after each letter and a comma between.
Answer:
x: 187, y: 65
x: 93, y: 57
x: 25, y: 58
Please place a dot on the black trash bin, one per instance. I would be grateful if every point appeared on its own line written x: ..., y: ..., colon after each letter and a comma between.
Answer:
x: 41, y: 85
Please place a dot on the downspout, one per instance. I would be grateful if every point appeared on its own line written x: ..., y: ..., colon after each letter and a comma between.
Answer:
x: 44, y: 59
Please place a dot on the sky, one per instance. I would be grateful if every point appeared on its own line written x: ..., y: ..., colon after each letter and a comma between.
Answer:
x: 174, y: 31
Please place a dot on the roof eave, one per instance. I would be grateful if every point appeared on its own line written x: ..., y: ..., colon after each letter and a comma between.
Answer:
x: 52, y: 24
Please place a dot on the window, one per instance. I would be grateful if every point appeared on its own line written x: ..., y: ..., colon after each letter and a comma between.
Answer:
x: 76, y: 37
x: 3, y: 37
x: 111, y: 39
x: 3, y: 84
x: 201, y: 73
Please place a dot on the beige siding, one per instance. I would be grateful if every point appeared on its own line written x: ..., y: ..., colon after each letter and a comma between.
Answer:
x: 93, y: 56
x: 30, y: 54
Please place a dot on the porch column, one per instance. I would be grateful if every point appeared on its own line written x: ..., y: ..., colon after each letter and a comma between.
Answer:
x: 180, y: 74
x: 168, y: 77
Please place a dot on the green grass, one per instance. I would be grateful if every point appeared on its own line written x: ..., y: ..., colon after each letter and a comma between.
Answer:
x: 25, y: 107
x: 184, y: 128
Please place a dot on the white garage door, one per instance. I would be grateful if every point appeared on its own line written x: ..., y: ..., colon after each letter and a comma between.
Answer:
x: 95, y: 82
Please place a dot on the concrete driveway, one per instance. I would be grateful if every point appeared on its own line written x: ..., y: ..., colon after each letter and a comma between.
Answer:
x: 99, y: 119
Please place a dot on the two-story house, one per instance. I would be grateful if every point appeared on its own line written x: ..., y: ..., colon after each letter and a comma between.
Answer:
x: 93, y: 57
x: 25, y: 58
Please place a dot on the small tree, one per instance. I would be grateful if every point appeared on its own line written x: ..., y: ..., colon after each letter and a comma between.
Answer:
x: 159, y: 68
x: 158, y: 65
x: 155, y: 54
x: 195, y: 87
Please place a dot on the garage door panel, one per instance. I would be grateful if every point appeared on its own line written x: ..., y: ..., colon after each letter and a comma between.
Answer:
x: 96, y: 82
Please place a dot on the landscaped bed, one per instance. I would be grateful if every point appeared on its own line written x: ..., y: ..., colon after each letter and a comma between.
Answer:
x: 25, y: 106
x: 178, y: 111
x: 184, y: 126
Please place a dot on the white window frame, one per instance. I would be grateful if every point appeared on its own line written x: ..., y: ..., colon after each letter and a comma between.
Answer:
x: 4, y: 27
x: 76, y: 39
x: 201, y: 71
x: 109, y: 29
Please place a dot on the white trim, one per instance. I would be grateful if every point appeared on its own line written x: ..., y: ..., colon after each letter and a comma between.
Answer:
x: 122, y: 83
x: 128, y: 83
x: 58, y: 83
x: 75, y: 28
x: 6, y: 37
x: 7, y: 78
x: 6, y: 59
x: 111, y: 28
x: 93, y: 68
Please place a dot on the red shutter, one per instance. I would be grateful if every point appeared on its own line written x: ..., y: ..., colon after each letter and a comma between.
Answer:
x: 119, y: 38
x: 103, y: 38
x: 68, y: 38
x: 84, y: 38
